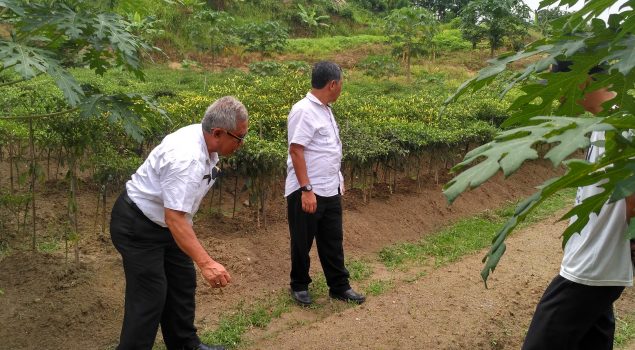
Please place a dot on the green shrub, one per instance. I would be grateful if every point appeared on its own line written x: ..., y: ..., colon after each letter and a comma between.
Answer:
x: 451, y: 40
x: 378, y: 66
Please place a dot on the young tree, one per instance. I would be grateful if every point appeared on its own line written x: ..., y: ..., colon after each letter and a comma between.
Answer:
x: 410, y: 30
x: 311, y: 19
x: 544, y: 17
x: 266, y: 38
x: 548, y: 113
x: 497, y: 18
x: 443, y: 9
x: 214, y: 32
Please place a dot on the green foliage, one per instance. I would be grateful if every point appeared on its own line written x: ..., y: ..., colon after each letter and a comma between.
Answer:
x: 410, y: 30
x: 322, y: 47
x: 450, y: 40
x: 443, y: 9
x: 45, y: 37
x: 378, y: 66
x: 555, y: 93
x: 265, y: 38
x: 311, y: 19
x: 495, y: 20
x: 213, y: 31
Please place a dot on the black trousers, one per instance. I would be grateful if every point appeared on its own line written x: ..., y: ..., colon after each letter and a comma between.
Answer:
x: 325, y: 226
x: 573, y: 316
x: 160, y: 282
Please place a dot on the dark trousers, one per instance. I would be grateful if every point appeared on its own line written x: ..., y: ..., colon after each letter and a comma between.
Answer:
x: 160, y: 282
x: 572, y: 316
x: 325, y: 226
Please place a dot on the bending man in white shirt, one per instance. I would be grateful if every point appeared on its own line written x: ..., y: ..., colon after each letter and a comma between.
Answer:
x: 151, y: 226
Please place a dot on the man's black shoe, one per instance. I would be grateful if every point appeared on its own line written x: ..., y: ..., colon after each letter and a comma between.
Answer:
x: 349, y: 296
x: 202, y: 346
x: 301, y: 297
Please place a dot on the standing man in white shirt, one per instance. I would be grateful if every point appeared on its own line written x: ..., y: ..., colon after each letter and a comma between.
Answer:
x: 151, y: 227
x: 576, y: 309
x: 314, y: 186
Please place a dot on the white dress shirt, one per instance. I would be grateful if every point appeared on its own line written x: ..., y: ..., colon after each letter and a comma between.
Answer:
x: 176, y: 175
x: 311, y: 124
x: 600, y: 255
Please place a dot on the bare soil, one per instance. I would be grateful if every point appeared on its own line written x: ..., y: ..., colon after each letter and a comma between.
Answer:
x: 49, y: 304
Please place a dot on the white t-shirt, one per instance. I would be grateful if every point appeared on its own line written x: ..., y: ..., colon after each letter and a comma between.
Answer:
x: 312, y: 125
x: 600, y: 255
x: 176, y: 175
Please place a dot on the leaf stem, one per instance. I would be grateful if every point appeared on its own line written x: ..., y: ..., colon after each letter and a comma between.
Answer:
x: 37, y: 116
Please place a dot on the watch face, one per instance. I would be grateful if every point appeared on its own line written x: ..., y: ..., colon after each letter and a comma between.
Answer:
x: 307, y: 188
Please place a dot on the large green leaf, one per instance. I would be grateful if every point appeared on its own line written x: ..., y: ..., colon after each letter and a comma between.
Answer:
x: 513, y: 147
x: 625, y: 57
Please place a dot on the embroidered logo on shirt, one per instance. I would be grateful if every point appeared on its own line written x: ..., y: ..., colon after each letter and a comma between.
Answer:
x: 216, y: 172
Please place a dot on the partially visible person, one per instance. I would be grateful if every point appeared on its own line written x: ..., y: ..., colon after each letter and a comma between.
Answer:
x: 314, y: 187
x: 151, y: 227
x: 576, y: 310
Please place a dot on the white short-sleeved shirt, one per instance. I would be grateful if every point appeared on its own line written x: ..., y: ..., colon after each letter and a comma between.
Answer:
x: 176, y: 175
x: 312, y: 125
x: 600, y: 255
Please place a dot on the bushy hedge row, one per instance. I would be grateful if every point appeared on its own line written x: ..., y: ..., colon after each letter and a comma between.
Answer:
x: 378, y: 123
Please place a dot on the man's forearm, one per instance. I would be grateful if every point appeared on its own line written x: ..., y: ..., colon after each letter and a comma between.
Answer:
x: 186, y: 239
x: 630, y: 206
x: 299, y: 164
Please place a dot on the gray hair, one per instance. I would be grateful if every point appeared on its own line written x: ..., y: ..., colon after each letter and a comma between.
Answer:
x: 224, y: 113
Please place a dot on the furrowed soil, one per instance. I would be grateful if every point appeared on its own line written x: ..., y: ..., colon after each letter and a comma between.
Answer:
x: 47, y: 303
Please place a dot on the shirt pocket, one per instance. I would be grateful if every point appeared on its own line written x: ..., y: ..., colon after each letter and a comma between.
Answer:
x: 323, y: 136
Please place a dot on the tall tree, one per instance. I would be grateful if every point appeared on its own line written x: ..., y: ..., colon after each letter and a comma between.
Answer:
x: 411, y: 30
x: 443, y: 9
x: 547, y: 113
x: 497, y: 18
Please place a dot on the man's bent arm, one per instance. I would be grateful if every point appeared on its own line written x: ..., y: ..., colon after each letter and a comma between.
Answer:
x: 186, y: 239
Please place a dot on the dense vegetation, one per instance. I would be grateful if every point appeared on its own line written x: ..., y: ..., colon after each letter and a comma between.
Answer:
x: 79, y: 101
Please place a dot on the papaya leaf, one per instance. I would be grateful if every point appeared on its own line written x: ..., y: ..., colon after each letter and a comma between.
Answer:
x: 625, y: 57
x: 572, y: 135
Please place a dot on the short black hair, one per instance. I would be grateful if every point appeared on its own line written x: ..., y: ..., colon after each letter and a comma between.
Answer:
x: 565, y: 66
x: 323, y: 72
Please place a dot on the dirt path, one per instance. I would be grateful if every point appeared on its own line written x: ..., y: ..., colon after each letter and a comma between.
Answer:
x: 447, y: 309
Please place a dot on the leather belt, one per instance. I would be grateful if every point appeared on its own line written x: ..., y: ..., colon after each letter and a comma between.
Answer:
x: 132, y: 204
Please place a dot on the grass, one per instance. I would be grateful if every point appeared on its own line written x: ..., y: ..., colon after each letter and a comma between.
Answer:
x: 624, y: 330
x: 465, y: 236
x: 359, y: 270
x: 232, y: 327
x: 378, y: 287
x: 321, y: 47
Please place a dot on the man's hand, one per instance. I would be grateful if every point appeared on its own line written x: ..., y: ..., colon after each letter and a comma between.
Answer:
x: 215, y: 274
x: 309, y: 202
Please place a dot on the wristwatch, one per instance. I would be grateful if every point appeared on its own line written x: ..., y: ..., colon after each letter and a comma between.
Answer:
x: 306, y: 188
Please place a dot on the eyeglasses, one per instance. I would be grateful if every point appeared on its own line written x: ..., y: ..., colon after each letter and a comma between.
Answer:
x: 240, y: 139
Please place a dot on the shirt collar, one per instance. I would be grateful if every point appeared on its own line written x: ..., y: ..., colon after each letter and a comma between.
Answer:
x: 314, y: 99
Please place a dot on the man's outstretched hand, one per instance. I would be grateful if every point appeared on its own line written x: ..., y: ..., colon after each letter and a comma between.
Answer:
x: 215, y: 274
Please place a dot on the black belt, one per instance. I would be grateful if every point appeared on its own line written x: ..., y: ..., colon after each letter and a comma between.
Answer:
x: 132, y: 204
x: 134, y: 207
